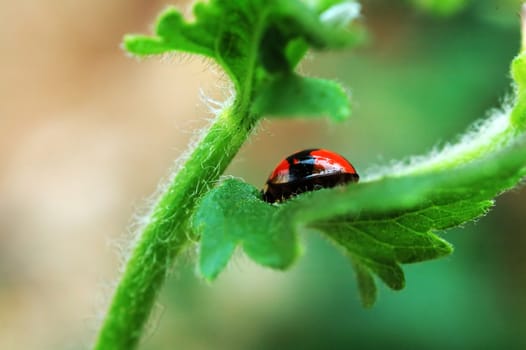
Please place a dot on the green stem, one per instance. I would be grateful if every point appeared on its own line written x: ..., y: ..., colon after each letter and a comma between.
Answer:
x: 167, y: 232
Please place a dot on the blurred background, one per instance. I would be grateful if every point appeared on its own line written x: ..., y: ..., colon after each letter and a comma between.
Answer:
x: 87, y: 132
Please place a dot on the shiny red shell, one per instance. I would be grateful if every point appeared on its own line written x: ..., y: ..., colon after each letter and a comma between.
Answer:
x: 308, y: 170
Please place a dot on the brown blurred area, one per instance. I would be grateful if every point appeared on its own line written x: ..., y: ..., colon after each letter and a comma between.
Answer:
x: 85, y: 134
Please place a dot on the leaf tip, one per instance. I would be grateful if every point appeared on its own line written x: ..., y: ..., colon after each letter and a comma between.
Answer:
x: 168, y: 13
x: 140, y: 45
x: 366, y: 284
x: 207, y: 272
x: 446, y: 249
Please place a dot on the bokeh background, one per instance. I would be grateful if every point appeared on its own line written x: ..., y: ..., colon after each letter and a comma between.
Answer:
x: 87, y: 132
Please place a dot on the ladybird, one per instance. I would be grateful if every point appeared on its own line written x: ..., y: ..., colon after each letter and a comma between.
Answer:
x: 308, y: 170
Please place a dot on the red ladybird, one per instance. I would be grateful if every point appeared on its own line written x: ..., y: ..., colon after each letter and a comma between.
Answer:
x: 308, y: 170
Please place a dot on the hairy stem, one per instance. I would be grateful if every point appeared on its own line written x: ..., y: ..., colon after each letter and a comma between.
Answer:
x: 166, y: 233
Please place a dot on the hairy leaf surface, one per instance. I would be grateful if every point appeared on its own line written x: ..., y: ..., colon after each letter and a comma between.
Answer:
x: 259, y: 43
x: 378, y: 224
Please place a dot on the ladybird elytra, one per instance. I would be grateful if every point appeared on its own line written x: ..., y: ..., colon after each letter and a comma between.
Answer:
x: 308, y: 170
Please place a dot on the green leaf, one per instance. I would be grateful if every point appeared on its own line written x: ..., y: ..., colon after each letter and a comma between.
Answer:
x: 234, y: 215
x: 389, y: 221
x: 441, y: 7
x: 302, y: 97
x: 259, y: 43
x: 366, y: 285
x: 379, y: 224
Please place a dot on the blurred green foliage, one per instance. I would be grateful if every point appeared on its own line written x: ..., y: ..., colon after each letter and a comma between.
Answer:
x: 440, y: 7
x: 420, y: 81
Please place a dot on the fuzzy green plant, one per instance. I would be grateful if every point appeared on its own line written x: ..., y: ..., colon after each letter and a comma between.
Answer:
x: 441, y: 7
x: 390, y: 218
